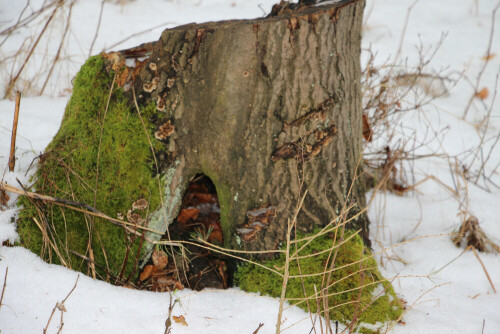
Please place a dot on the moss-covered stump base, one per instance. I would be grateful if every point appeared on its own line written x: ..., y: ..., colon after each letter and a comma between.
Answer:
x: 357, y: 292
x: 101, y: 156
x: 265, y: 108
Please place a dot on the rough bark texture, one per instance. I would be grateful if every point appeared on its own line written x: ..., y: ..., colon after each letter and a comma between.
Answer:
x: 259, y: 106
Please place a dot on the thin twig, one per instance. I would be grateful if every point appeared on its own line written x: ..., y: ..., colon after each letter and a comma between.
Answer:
x: 12, y: 157
x: 97, y: 29
x: 258, y: 328
x: 484, y: 268
x: 4, y: 284
x: 23, y: 22
x: 61, y: 307
x: 401, y: 40
x: 75, y: 206
x: 138, y: 34
x: 168, y: 322
x: 56, y: 58
x: 13, y: 81
x: 286, y: 274
x: 16, y: 24
x: 485, y: 62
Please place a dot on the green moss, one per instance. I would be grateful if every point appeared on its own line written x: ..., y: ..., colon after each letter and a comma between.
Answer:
x: 354, y: 268
x: 68, y: 170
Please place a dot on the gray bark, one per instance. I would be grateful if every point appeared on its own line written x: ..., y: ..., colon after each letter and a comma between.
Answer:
x: 260, y: 106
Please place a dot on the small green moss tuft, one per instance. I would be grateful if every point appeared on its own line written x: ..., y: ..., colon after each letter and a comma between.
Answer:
x: 68, y: 169
x: 376, y: 301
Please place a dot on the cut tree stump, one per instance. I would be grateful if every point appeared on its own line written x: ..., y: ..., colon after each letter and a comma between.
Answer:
x: 266, y: 108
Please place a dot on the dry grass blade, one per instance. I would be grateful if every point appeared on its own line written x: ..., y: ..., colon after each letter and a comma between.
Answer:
x: 12, y: 82
x: 291, y: 224
x: 76, y: 206
x: 96, y: 29
x: 4, y: 285
x: 485, y: 271
x: 58, y: 54
x: 51, y: 242
x: 485, y: 62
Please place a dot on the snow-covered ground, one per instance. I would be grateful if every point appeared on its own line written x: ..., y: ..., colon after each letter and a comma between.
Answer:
x: 455, y: 299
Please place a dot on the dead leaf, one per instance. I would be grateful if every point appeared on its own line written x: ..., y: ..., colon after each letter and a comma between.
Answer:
x: 178, y: 286
x: 147, y: 272
x: 482, y: 94
x: 186, y: 214
x: 206, y: 198
x: 180, y: 320
x: 489, y: 56
x: 4, y: 198
x: 216, y: 235
x: 160, y: 259
x: 367, y: 129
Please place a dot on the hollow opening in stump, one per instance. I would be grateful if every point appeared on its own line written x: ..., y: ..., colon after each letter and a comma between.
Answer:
x: 197, y: 268
x: 199, y: 215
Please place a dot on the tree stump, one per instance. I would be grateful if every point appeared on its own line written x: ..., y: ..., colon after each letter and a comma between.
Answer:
x: 266, y: 108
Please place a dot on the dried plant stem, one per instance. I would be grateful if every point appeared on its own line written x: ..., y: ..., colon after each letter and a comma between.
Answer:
x: 51, y: 243
x: 168, y: 322
x: 485, y: 62
x: 75, y: 206
x: 97, y: 29
x: 286, y: 275
x: 61, y: 307
x: 138, y: 34
x: 258, y: 328
x: 484, y: 268
x: 325, y: 284
x: 22, y: 22
x: 8, y: 32
x: 216, y: 250
x: 13, y: 81
x: 12, y: 157
x: 4, y: 285
x: 403, y: 33
x: 56, y: 58
x: 478, y: 258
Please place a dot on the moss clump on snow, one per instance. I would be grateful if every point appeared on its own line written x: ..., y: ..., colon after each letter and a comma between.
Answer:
x: 354, y: 268
x: 68, y: 170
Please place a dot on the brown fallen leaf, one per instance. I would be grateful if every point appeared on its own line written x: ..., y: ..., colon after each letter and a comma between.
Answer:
x: 482, y: 94
x: 216, y: 235
x: 367, y: 129
x: 205, y: 198
x: 160, y: 259
x: 178, y: 286
x: 4, y: 198
x: 186, y: 214
x: 147, y: 272
x: 489, y: 56
x: 180, y: 320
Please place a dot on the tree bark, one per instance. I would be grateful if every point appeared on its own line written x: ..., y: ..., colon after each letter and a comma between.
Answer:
x: 267, y: 109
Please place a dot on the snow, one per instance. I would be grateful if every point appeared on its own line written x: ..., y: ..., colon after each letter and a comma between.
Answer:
x: 445, y: 294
